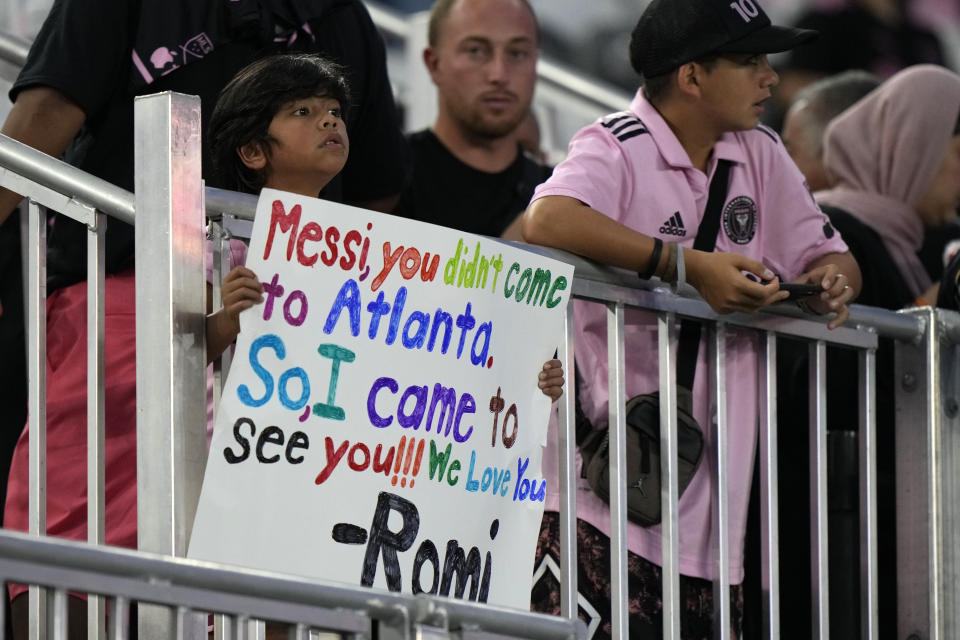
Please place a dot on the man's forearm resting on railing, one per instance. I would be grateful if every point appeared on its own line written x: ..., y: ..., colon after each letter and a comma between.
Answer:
x: 45, y: 119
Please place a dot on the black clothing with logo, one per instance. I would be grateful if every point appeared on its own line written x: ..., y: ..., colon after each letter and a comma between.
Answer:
x: 101, y: 53
x: 445, y: 191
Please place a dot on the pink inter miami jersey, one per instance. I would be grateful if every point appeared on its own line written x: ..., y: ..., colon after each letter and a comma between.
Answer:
x: 631, y: 167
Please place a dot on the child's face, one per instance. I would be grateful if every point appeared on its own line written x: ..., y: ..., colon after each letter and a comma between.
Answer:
x: 309, y: 147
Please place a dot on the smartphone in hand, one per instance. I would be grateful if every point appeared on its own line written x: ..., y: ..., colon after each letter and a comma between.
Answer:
x: 801, y: 290
x: 796, y: 291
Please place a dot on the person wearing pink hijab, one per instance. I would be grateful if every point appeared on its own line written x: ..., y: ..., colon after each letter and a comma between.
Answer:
x: 894, y: 157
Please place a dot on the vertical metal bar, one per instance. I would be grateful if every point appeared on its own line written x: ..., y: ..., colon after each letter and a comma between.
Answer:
x: 181, y: 617
x: 618, y: 470
x: 946, y: 401
x: 938, y: 536
x: 219, y: 370
x: 221, y: 627
x: 171, y: 310
x: 239, y: 627
x: 721, y: 586
x: 869, y: 607
x: 224, y: 268
x: 917, y: 514
x: 567, y: 450
x: 820, y: 579
x: 24, y: 210
x: 120, y: 619
x: 927, y: 458
x: 256, y: 630
x: 298, y: 632
x: 37, y: 367
x: 669, y: 491
x: 96, y: 440
x: 58, y: 615
x: 769, y: 479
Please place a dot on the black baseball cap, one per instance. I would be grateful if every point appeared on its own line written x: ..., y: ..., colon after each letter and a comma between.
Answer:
x: 671, y: 33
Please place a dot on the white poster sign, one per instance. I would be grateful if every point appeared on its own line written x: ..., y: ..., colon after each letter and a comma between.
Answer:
x: 381, y: 423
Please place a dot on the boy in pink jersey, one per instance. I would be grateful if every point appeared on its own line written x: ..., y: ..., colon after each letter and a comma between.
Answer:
x: 632, y: 193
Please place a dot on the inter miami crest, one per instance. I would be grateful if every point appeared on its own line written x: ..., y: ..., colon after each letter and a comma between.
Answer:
x: 740, y: 219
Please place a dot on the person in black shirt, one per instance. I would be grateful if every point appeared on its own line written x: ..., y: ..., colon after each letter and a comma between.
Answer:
x: 194, y: 48
x: 469, y: 171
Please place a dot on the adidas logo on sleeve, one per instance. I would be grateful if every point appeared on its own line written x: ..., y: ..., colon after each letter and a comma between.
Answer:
x: 673, y: 226
x: 624, y: 125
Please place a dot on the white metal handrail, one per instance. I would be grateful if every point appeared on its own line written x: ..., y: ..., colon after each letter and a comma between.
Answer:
x: 49, y: 183
x: 60, y: 186
x: 13, y: 49
x: 195, y: 586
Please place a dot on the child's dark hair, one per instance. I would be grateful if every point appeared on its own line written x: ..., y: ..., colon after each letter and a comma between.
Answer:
x: 248, y: 103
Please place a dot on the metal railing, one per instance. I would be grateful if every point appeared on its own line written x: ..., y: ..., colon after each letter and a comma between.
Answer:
x: 54, y: 185
x: 13, y: 49
x: 186, y: 587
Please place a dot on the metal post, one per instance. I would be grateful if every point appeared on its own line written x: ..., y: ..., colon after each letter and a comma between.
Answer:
x: 721, y: 586
x: 927, y: 378
x: 96, y: 439
x: 298, y: 632
x: 566, y: 443
x: 221, y: 366
x: 616, y: 363
x: 57, y: 624
x: 820, y: 578
x: 669, y: 489
x: 914, y: 505
x: 769, y: 479
x: 240, y: 625
x: 120, y: 619
x: 257, y: 630
x: 171, y: 389
x: 37, y: 370
x: 869, y: 608
x: 218, y: 238
x: 946, y: 402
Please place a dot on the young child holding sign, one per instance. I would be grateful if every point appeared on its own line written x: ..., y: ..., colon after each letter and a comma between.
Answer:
x: 279, y: 124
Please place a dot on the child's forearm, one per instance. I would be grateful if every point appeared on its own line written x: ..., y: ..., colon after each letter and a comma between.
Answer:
x: 221, y: 333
